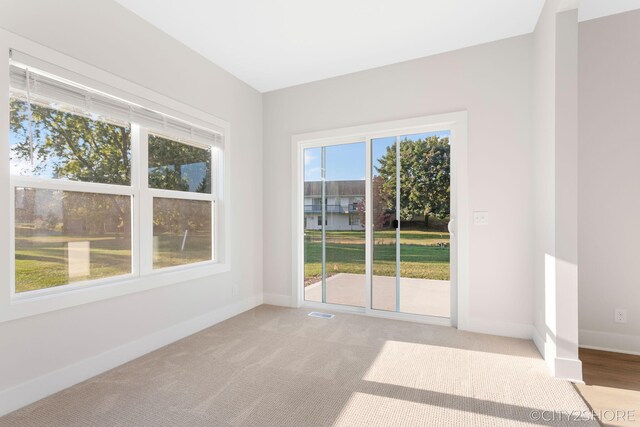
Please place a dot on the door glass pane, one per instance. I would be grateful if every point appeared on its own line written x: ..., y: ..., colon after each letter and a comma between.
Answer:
x: 383, y: 186
x: 345, y: 169
x: 181, y: 231
x: 313, y: 224
x: 63, y: 237
x: 410, y: 187
x: 424, y: 215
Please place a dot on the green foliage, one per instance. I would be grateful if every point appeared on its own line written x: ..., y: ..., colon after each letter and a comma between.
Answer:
x: 380, y: 204
x: 74, y: 146
x: 424, y: 179
x: 167, y: 179
x: 167, y: 159
x: 79, y: 147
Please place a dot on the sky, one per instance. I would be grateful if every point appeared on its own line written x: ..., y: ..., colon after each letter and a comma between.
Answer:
x: 22, y: 167
x: 347, y: 161
x: 17, y: 165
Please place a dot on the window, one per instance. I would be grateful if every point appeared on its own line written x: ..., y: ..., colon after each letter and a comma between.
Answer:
x: 177, y: 166
x: 181, y: 226
x: 52, y: 140
x: 63, y: 237
x: 82, y: 212
x: 181, y: 231
x: 354, y: 220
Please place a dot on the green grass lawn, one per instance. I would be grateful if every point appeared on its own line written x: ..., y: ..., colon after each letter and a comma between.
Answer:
x: 424, y: 254
x: 41, y: 260
x: 167, y: 254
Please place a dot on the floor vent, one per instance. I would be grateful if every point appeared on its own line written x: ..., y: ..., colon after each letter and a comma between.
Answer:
x: 321, y: 315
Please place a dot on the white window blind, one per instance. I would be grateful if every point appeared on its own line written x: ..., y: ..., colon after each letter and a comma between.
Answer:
x: 43, y: 87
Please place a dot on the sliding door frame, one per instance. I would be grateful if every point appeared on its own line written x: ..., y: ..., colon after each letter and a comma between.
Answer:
x: 456, y: 123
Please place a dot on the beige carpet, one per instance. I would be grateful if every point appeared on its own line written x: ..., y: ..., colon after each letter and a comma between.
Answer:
x: 278, y: 367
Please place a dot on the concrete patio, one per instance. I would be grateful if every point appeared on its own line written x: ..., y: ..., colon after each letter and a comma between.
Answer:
x: 417, y: 296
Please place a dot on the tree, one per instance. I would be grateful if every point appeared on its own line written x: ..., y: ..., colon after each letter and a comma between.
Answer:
x: 424, y: 180
x: 73, y: 146
x: 82, y: 147
x: 167, y: 161
x: 380, y: 205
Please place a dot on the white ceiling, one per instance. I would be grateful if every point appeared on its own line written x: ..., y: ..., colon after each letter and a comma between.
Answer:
x: 271, y: 44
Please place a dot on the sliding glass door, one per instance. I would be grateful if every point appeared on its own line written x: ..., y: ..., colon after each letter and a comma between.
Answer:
x: 334, y: 224
x: 390, y: 253
x: 410, y: 187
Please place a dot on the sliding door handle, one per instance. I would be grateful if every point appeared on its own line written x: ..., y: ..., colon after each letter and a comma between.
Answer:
x: 450, y: 227
x: 394, y: 223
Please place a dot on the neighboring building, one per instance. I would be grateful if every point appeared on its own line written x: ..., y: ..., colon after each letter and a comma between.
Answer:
x: 342, y: 201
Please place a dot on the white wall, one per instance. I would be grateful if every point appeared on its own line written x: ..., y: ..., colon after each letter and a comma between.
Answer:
x: 609, y: 177
x: 497, y: 83
x: 491, y: 81
x: 555, y: 188
x: 109, y: 37
x: 543, y: 166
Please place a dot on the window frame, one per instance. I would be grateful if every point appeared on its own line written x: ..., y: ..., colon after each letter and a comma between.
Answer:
x: 146, y: 209
x: 17, y: 305
x: 456, y: 122
x: 52, y: 184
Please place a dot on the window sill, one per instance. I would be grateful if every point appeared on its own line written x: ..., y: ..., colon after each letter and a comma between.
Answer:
x: 36, y: 302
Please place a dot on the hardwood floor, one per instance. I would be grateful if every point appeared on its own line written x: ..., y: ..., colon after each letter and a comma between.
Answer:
x: 609, y: 369
x: 612, y: 383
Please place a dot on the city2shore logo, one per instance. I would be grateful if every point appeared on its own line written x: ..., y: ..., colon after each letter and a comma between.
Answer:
x: 576, y: 416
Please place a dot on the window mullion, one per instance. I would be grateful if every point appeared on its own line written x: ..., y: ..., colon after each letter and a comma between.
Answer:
x: 145, y: 210
x: 183, y: 195
x: 67, y: 185
x: 135, y: 208
x: 215, y: 179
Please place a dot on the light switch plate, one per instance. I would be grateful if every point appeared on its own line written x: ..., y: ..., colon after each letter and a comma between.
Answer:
x: 481, y: 218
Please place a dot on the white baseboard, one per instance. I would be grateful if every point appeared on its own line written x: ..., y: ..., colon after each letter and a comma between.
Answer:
x: 538, y: 340
x: 278, y: 299
x: 618, y: 343
x: 45, y: 385
x: 559, y: 367
x: 568, y: 369
x: 504, y: 329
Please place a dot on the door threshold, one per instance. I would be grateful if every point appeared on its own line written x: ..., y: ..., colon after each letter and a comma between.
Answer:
x: 408, y: 317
